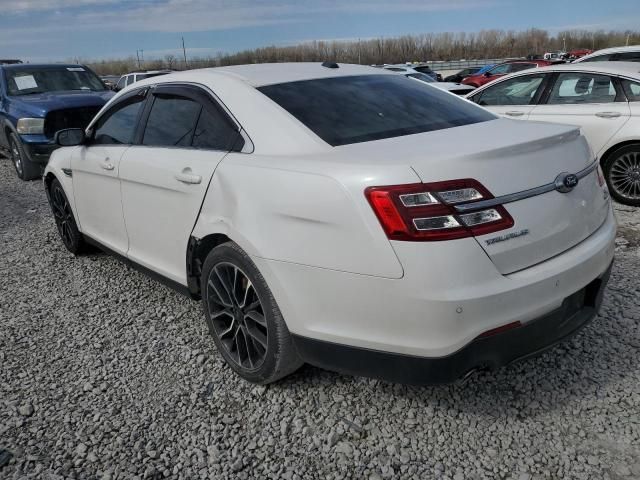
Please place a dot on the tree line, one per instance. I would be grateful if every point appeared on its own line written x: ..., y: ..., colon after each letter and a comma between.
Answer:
x: 422, y: 47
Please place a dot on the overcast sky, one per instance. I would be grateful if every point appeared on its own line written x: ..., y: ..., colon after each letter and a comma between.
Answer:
x: 48, y: 30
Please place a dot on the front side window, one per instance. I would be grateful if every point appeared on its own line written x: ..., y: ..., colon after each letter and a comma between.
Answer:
x: 130, y: 79
x: 172, y: 121
x: 516, y: 91
x: 29, y: 80
x: 632, y: 89
x: 121, y: 83
x: 117, y: 126
x: 351, y: 109
x: 576, y: 88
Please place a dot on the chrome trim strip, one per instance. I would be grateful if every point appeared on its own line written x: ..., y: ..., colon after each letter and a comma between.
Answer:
x: 514, y: 197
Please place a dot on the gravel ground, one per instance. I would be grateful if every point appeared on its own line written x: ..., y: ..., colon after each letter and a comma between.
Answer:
x: 107, y: 374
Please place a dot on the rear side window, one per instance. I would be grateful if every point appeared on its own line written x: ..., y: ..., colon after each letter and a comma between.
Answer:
x: 518, y: 67
x: 516, y: 91
x: 172, y: 121
x: 628, y: 57
x: 632, y: 89
x: 574, y: 88
x: 214, y: 132
x: 599, y: 58
x: 118, y: 125
x: 176, y: 121
x: 501, y: 69
x: 346, y: 110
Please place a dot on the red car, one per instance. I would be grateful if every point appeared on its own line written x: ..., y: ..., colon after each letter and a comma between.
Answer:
x: 502, y: 70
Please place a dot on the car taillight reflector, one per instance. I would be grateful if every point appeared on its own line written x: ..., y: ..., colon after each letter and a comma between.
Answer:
x: 426, y: 212
x: 601, y: 180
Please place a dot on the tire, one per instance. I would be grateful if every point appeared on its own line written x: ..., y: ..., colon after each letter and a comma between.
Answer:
x: 65, y: 221
x: 622, y: 173
x: 25, y: 168
x: 244, y: 319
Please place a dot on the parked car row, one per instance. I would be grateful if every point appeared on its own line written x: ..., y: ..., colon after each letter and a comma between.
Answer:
x: 602, y: 98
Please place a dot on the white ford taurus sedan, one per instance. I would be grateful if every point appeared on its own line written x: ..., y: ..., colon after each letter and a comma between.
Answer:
x: 602, y: 98
x: 343, y: 216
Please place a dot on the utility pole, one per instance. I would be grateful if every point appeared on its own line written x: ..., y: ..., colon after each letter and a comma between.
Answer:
x: 138, y: 57
x: 359, y: 56
x: 184, y: 53
x: 628, y: 35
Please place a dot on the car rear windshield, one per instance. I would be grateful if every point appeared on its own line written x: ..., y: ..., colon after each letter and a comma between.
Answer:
x: 346, y: 110
x: 29, y: 80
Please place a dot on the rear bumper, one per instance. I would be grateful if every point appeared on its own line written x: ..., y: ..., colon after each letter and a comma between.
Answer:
x: 491, y: 352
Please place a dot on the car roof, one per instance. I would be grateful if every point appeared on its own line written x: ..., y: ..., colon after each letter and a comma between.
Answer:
x: 612, y: 68
x: 258, y: 75
x: 604, y: 51
x: 40, y: 66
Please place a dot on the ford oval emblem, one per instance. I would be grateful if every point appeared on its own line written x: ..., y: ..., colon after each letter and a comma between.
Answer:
x: 565, y: 182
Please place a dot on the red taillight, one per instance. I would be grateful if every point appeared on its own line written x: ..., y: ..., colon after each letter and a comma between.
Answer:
x: 426, y: 211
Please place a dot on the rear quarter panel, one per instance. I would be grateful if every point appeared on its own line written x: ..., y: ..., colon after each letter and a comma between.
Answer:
x: 291, y: 210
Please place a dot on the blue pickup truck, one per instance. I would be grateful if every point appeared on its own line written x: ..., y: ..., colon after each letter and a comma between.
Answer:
x: 38, y: 100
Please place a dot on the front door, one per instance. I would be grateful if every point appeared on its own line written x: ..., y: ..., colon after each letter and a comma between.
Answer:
x: 95, y: 167
x: 589, y: 100
x: 511, y: 98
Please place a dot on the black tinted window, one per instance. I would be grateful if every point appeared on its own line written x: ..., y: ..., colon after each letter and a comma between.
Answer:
x: 628, y: 57
x: 215, y: 132
x: 118, y: 125
x: 172, y: 121
x: 599, y: 58
x: 355, y: 109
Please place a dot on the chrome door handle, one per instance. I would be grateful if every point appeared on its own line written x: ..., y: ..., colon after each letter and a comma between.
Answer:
x: 107, y: 166
x: 188, y: 178
x: 608, y: 114
x: 514, y: 113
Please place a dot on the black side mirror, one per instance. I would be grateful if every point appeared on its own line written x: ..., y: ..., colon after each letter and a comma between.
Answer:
x: 487, y: 74
x: 69, y: 137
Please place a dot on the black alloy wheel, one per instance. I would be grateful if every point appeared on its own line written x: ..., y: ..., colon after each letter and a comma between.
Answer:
x: 622, y: 172
x: 65, y: 221
x: 243, y: 317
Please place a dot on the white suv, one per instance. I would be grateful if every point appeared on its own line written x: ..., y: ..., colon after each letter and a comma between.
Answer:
x: 343, y: 216
x: 133, y: 77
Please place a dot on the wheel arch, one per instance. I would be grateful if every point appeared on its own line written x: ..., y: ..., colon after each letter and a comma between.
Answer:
x: 613, y: 148
x: 197, y: 251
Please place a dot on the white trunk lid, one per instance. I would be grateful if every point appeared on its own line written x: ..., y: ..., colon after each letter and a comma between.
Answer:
x: 509, y: 157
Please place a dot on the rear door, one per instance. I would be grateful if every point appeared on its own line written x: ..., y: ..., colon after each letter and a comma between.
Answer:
x: 512, y: 98
x: 594, y: 102
x: 166, y: 175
